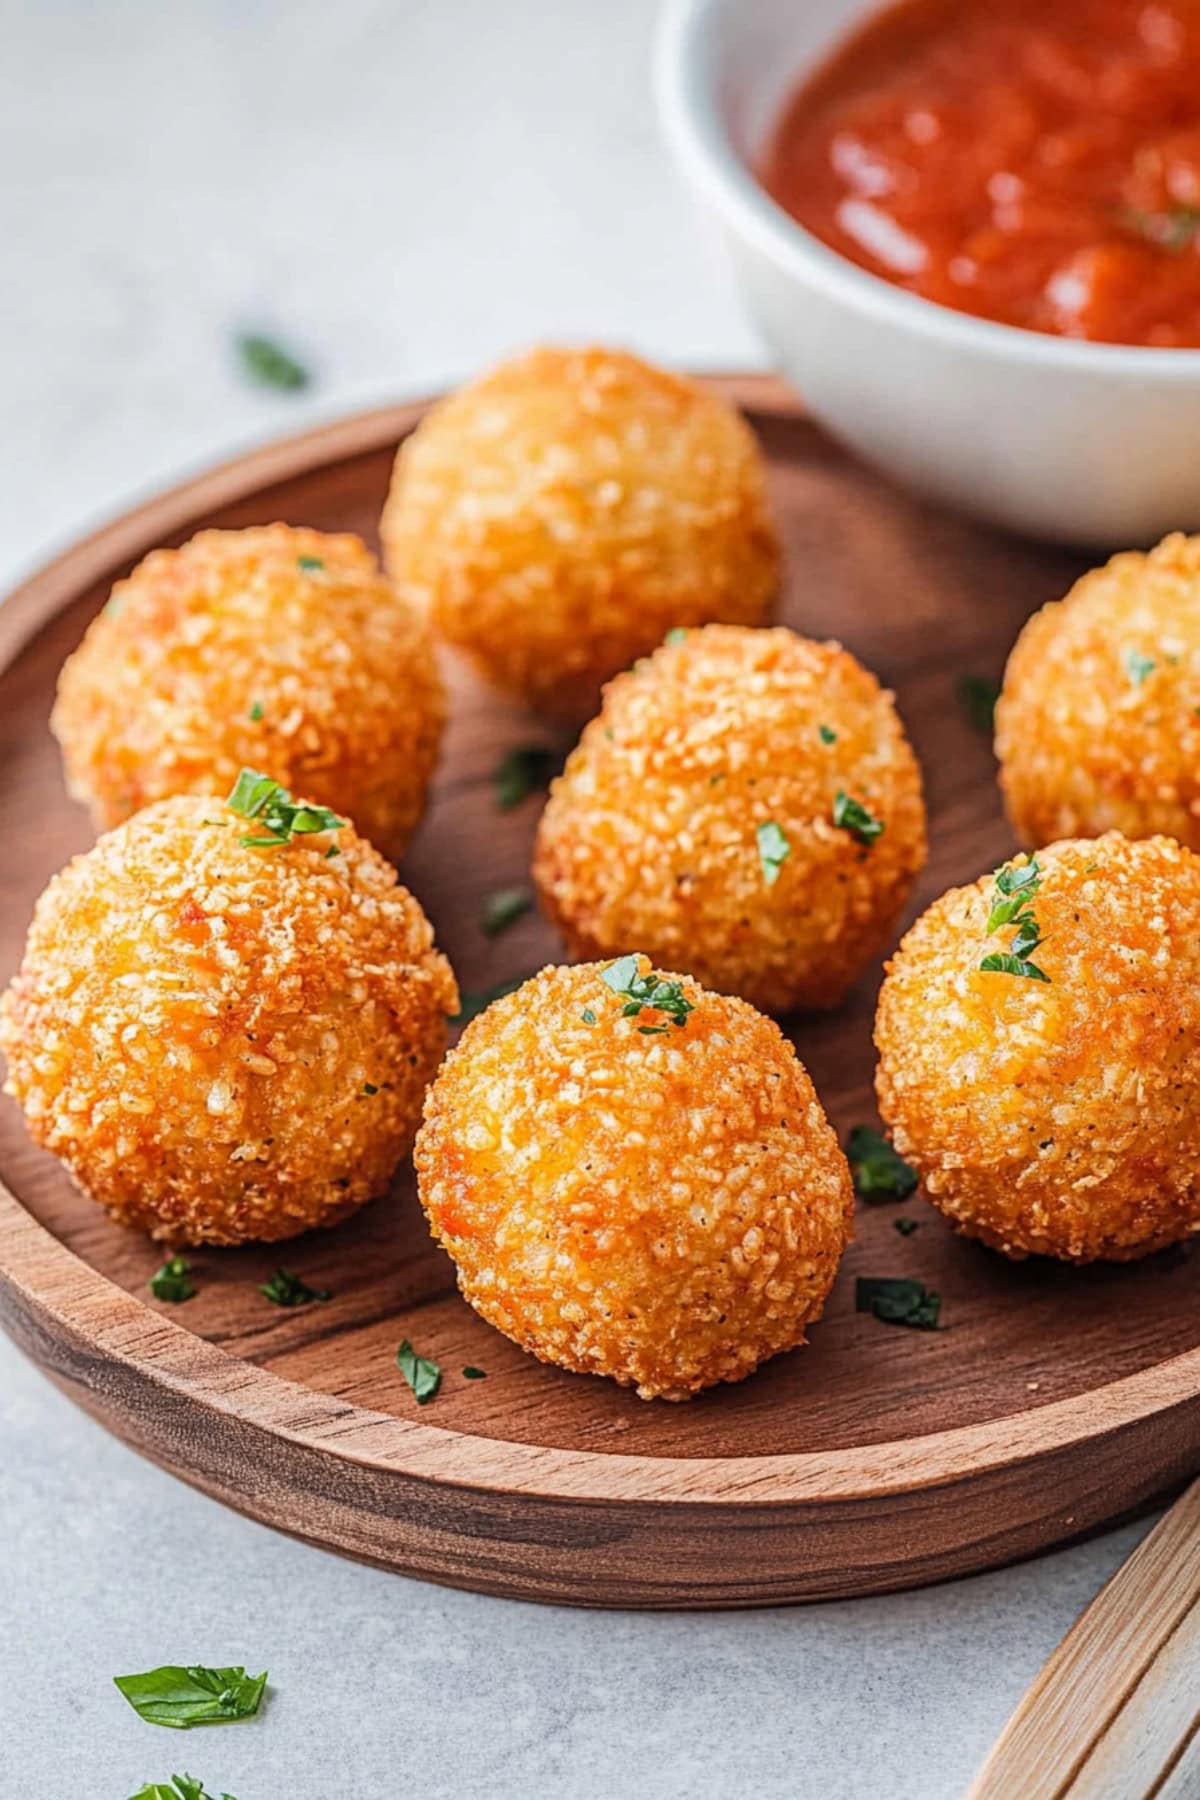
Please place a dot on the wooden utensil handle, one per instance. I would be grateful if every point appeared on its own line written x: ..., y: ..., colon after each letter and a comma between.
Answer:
x: 1115, y: 1713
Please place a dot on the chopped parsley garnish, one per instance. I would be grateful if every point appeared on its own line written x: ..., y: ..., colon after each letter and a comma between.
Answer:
x: 423, y: 1377
x: 504, y: 908
x: 773, y: 850
x: 878, y: 1171
x: 310, y: 563
x: 524, y: 771
x: 256, y: 712
x: 269, y: 364
x: 1174, y: 229
x: 827, y: 735
x: 852, y: 816
x: 257, y: 797
x: 905, y: 1226
x: 332, y: 851
x: 180, y: 1787
x: 898, y: 1301
x: 977, y: 696
x: 286, y: 1289
x: 171, y: 1281
x: 1012, y: 904
x: 470, y: 1374
x: 676, y: 634
x: 369, y: 1088
x: 182, y: 1697
x: 588, y: 1016
x: 1139, y: 666
x: 646, y: 991
x: 471, y: 1005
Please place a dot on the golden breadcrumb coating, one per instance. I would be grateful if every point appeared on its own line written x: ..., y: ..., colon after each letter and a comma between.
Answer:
x: 1058, y: 1118
x: 667, y: 1207
x: 1098, y: 727
x: 279, y: 649
x: 561, y: 513
x: 224, y: 1043
x: 652, y: 834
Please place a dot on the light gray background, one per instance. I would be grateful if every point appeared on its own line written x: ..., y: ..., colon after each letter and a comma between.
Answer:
x: 404, y: 189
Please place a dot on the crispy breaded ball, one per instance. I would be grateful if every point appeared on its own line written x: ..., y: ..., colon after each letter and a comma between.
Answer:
x: 279, y: 648
x: 561, y: 513
x: 698, y: 818
x: 225, y: 1043
x: 1098, y: 727
x: 1057, y: 1117
x: 627, y: 1195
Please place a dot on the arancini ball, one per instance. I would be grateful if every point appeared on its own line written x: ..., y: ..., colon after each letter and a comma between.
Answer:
x: 226, y: 1042
x: 1098, y: 726
x: 559, y: 514
x: 281, y: 648
x: 746, y: 807
x: 635, y: 1178
x: 1051, y: 1101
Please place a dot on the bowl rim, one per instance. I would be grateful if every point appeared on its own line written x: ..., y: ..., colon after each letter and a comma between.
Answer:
x: 691, y: 119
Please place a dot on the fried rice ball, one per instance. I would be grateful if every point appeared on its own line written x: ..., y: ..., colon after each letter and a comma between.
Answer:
x: 1098, y: 727
x: 561, y: 513
x: 278, y: 648
x: 1056, y: 1117
x: 656, y: 1196
x: 698, y: 817
x: 225, y: 1043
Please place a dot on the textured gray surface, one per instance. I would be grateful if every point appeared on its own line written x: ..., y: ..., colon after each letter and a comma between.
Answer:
x: 404, y: 188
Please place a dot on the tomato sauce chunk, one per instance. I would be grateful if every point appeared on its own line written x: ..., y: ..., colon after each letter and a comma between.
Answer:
x: 1033, y: 164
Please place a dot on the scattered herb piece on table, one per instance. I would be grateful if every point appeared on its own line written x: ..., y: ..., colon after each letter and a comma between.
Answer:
x: 898, y: 1301
x: 905, y: 1226
x: 286, y: 1289
x: 646, y: 992
x: 472, y: 1374
x: 269, y: 364
x: 1012, y: 904
x: 773, y: 850
x: 878, y: 1171
x: 978, y: 696
x: 504, y: 908
x: 181, y: 1696
x: 423, y: 1377
x: 852, y: 816
x: 260, y: 799
x: 522, y: 772
x: 171, y: 1281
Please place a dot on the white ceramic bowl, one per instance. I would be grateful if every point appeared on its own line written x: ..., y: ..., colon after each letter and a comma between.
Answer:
x: 1086, y: 443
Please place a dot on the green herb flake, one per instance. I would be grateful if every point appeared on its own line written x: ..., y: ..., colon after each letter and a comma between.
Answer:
x: 1139, y: 666
x: 646, y: 992
x: 270, y: 365
x: 826, y: 735
x: 182, y: 1697
x: 423, y: 1377
x: 977, y: 695
x: 898, y: 1301
x: 472, y: 1374
x: 369, y: 1088
x: 256, y: 713
x: 676, y: 635
x: 879, y: 1172
x: 471, y: 1005
x: 905, y: 1226
x: 286, y: 1289
x: 1174, y: 229
x: 852, y: 816
x: 332, y: 851
x: 588, y: 1016
x: 1012, y: 904
x: 180, y: 1787
x: 504, y: 908
x: 257, y: 797
x: 171, y: 1281
x: 524, y: 771
x: 311, y: 563
x: 773, y: 850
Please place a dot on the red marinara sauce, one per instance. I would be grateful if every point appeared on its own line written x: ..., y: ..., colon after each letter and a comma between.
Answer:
x: 1031, y: 161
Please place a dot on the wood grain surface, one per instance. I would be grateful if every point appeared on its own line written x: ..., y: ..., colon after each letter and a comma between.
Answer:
x: 1053, y: 1400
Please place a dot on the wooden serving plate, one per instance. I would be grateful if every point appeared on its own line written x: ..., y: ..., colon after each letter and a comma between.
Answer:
x: 876, y: 1458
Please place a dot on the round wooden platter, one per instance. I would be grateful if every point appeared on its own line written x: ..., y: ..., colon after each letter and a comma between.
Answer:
x: 875, y: 1458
